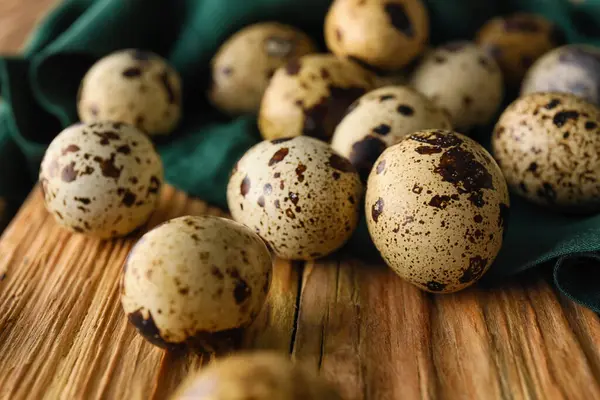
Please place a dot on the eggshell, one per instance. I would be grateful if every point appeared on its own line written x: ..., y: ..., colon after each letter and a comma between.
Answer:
x: 380, y: 119
x: 132, y: 86
x: 245, y: 63
x: 298, y: 194
x: 516, y: 41
x: 101, y: 179
x: 381, y: 34
x: 461, y: 78
x: 262, y: 375
x: 196, y: 280
x: 310, y: 95
x: 437, y: 208
x: 571, y: 69
x: 548, y: 146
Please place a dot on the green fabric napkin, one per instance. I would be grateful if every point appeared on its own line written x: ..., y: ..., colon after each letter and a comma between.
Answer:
x: 39, y: 89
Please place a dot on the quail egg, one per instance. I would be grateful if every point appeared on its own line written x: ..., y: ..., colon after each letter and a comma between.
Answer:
x: 309, y: 96
x: 437, y: 209
x: 196, y: 281
x: 262, y: 375
x: 101, y: 179
x: 382, y: 34
x: 298, y: 194
x: 570, y: 69
x: 245, y: 63
x: 462, y: 79
x: 548, y: 146
x: 517, y: 40
x: 380, y: 119
x: 132, y: 86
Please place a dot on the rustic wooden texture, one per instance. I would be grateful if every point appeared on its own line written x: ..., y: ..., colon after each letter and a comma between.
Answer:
x: 63, y: 333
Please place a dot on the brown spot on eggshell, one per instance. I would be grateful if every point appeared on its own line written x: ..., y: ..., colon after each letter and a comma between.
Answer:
x: 279, y: 156
x: 561, y: 118
x: 242, y: 291
x: 154, y: 185
x: 364, y: 154
x: 69, y: 174
x: 124, y: 149
x: 147, y: 328
x: 399, y: 18
x: 132, y: 72
x: 321, y: 119
x: 377, y: 209
x: 72, y: 148
x: 108, y: 167
x: 435, y: 286
x: 474, y: 271
x: 380, y: 167
x: 300, y: 169
x: 340, y: 163
x: 107, y: 136
x: 405, y: 110
x: 245, y: 186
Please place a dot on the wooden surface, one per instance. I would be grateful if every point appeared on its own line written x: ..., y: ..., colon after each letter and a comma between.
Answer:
x: 64, y: 335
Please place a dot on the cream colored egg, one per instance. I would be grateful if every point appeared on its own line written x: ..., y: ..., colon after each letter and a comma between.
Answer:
x: 298, y: 194
x: 263, y: 375
x: 101, y: 179
x: 384, y: 34
x: 437, y: 209
x: 548, y: 146
x: 132, y: 86
x: 309, y: 96
x: 462, y: 79
x: 245, y: 63
x: 380, y: 119
x: 196, y: 281
x: 573, y: 68
x: 517, y: 40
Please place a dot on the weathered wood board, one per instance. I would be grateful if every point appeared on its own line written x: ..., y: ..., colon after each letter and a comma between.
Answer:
x: 63, y: 333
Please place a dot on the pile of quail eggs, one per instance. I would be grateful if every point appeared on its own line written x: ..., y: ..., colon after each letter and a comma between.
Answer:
x: 378, y: 128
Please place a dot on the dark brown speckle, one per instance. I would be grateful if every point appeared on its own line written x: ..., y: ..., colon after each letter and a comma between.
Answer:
x: 377, y: 209
x: 279, y: 156
x: 399, y: 19
x: 245, y: 186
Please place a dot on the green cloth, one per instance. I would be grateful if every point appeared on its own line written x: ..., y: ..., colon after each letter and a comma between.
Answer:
x: 39, y: 90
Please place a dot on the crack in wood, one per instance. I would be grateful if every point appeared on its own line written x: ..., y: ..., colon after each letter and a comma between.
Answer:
x: 299, y: 267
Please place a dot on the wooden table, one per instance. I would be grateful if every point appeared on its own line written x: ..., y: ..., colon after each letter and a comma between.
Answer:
x: 63, y: 334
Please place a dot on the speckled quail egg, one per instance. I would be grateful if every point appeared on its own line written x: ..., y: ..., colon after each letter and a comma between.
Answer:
x: 309, y: 96
x: 102, y: 179
x: 437, y: 209
x: 380, y: 119
x: 384, y: 34
x: 517, y: 40
x: 245, y: 63
x: 570, y: 69
x: 464, y: 80
x: 263, y: 375
x: 196, y: 280
x: 548, y: 146
x: 132, y: 86
x: 298, y: 194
